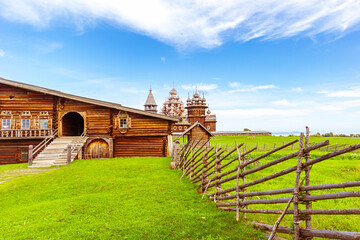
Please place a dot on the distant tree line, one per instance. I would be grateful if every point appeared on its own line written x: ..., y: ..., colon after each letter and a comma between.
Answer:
x: 331, y: 134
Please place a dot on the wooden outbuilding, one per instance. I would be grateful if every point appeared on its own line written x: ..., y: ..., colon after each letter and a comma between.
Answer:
x: 32, y: 115
x: 197, y: 132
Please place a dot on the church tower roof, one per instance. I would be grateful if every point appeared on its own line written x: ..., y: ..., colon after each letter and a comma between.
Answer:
x: 150, y: 99
x: 150, y: 104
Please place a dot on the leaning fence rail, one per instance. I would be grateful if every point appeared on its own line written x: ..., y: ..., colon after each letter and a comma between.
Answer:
x: 205, y: 167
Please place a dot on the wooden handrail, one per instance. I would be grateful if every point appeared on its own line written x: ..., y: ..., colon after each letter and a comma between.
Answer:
x: 78, y: 141
x: 45, y: 142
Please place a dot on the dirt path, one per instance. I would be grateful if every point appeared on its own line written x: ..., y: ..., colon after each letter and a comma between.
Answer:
x: 17, y: 173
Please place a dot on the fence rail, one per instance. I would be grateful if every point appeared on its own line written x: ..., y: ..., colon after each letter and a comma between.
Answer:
x: 205, y: 167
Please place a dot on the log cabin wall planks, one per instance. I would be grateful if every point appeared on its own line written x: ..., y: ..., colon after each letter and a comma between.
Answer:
x: 10, y: 150
x: 197, y: 133
x: 140, y: 146
x: 147, y: 135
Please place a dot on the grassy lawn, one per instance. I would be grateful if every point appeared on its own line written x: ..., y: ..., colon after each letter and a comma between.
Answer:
x: 269, y: 142
x: 137, y: 198
x: 334, y: 170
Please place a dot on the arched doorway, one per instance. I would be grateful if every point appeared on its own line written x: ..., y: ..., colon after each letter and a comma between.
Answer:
x: 97, y: 148
x: 72, y: 124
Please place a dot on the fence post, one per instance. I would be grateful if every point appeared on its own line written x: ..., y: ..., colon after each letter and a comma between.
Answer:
x: 202, y: 171
x: 237, y: 184
x: 307, y: 181
x: 30, y: 155
x: 68, y: 153
x: 244, y: 181
x: 191, y: 164
x: 296, y: 218
x: 216, y: 163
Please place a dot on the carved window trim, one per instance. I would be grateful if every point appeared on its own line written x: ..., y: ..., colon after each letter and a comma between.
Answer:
x: 43, y: 115
x: 121, y: 119
x: 25, y: 114
x: 6, y: 114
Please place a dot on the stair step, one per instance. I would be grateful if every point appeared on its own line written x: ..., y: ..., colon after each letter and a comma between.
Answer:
x: 56, y: 152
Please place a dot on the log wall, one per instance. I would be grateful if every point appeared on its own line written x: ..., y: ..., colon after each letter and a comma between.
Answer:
x: 145, y: 135
x: 10, y: 150
x: 140, y: 146
x: 198, y: 133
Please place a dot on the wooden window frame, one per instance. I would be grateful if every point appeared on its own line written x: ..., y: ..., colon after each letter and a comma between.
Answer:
x: 119, y: 122
x: 2, y: 123
x: 44, y: 120
x: 24, y: 152
x: 22, y: 123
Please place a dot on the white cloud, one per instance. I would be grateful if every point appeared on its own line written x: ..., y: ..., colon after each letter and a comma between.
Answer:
x: 2, y: 53
x: 352, y: 92
x: 200, y: 87
x: 200, y: 23
x: 297, y: 89
x: 163, y: 59
x: 248, y: 88
x: 283, y: 102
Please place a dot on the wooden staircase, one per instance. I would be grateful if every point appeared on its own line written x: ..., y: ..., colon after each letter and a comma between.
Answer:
x: 55, y: 153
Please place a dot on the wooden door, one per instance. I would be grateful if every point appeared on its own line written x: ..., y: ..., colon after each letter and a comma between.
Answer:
x: 98, y: 148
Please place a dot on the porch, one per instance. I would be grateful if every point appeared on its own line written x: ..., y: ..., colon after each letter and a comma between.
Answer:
x: 25, y: 133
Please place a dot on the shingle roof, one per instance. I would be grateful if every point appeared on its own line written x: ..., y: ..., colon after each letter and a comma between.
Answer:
x: 194, y: 125
x: 150, y: 101
x: 83, y: 99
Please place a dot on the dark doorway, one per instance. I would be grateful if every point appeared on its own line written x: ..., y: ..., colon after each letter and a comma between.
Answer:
x: 72, y: 124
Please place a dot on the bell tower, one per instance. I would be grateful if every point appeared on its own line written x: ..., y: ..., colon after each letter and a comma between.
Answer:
x: 150, y: 104
x: 196, y: 108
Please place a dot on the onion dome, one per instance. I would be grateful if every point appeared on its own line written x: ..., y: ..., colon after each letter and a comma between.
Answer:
x: 208, y: 112
x: 173, y: 92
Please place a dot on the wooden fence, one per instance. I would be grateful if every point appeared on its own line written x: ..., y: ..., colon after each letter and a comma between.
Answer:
x: 211, y: 167
x: 263, y: 147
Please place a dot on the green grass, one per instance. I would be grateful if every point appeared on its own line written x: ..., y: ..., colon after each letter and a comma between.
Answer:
x: 137, y: 198
x: 335, y: 170
x: 270, y: 141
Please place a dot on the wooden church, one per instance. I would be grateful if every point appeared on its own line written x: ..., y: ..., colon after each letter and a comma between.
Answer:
x: 51, y: 120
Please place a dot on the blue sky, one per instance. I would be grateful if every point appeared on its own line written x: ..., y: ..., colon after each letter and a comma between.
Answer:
x: 265, y: 65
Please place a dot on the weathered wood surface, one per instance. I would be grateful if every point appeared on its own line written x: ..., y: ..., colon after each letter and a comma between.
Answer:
x: 354, y: 211
x: 313, y: 232
x: 290, y: 190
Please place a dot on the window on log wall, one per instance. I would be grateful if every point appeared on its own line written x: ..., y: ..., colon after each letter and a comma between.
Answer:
x: 6, y: 123
x: 43, y: 123
x: 25, y: 123
x: 122, y: 122
x: 24, y: 154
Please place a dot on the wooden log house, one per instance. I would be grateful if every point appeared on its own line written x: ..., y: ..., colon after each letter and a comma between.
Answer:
x: 197, y: 133
x: 29, y: 114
